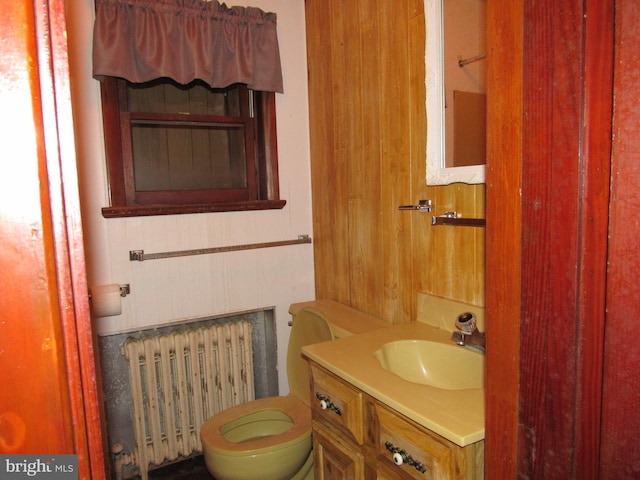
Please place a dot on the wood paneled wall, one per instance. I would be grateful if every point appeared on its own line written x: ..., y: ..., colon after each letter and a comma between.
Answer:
x: 368, y: 150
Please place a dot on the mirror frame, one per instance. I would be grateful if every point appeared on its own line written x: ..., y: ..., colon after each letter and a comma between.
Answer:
x: 437, y: 173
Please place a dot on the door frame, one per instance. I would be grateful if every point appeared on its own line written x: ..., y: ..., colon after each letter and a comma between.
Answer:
x: 53, y: 64
x: 548, y: 160
x: 47, y: 340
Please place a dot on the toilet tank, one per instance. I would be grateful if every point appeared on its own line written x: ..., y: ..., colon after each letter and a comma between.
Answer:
x: 343, y: 320
x: 319, y: 321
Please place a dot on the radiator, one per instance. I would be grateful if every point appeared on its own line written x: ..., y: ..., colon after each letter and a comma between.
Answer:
x: 179, y: 380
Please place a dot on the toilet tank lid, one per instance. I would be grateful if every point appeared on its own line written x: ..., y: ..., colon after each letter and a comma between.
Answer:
x: 343, y: 320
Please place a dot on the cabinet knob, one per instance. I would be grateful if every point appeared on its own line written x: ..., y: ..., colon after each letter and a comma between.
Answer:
x: 400, y: 457
x: 327, y: 404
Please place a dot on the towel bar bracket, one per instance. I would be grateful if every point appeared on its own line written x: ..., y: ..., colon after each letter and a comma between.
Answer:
x: 453, y: 218
x: 423, y: 206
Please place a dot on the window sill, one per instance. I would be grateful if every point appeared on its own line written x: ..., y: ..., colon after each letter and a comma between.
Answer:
x: 151, y: 210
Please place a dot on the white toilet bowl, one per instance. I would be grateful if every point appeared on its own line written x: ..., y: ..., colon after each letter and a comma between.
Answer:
x: 269, y: 438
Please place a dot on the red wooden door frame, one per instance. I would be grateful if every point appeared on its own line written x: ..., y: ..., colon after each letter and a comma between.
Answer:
x: 46, y: 345
x: 619, y: 453
x: 549, y: 139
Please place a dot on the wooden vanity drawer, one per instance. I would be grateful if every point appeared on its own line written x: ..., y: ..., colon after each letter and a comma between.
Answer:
x: 336, y: 403
x: 422, y: 454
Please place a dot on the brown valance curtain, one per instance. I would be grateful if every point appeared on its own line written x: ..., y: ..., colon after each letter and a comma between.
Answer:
x: 141, y: 40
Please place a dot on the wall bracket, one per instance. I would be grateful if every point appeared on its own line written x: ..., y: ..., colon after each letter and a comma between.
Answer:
x: 454, y: 218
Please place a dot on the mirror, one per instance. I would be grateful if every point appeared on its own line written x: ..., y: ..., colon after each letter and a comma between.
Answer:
x: 455, y: 91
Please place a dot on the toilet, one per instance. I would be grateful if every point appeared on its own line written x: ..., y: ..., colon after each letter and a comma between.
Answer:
x: 269, y: 438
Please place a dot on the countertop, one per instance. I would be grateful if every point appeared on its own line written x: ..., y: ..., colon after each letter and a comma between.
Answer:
x: 457, y: 415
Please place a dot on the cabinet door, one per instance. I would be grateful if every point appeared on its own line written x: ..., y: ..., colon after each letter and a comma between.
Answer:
x: 388, y: 473
x: 335, y: 458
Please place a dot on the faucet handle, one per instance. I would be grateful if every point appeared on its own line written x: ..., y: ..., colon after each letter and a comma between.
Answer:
x: 466, y: 322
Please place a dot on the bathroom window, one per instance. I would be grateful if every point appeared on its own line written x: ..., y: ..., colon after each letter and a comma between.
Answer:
x: 188, y: 102
x: 175, y: 148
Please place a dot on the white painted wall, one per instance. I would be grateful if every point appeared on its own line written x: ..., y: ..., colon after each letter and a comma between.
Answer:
x: 169, y: 290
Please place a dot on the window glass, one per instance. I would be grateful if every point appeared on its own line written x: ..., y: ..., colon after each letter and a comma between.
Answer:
x: 187, y: 152
x: 182, y: 145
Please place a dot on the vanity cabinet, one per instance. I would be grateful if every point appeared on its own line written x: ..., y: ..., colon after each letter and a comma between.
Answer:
x: 357, y: 437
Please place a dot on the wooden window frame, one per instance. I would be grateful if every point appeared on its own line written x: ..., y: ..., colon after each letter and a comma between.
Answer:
x: 262, y: 175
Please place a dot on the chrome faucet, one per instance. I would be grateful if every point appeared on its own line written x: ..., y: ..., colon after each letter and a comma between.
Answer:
x: 469, y: 336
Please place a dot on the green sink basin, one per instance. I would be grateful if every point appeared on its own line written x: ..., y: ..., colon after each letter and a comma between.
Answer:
x: 449, y: 367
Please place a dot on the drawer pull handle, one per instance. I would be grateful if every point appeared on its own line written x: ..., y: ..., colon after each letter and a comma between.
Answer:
x: 327, y: 404
x: 400, y: 457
